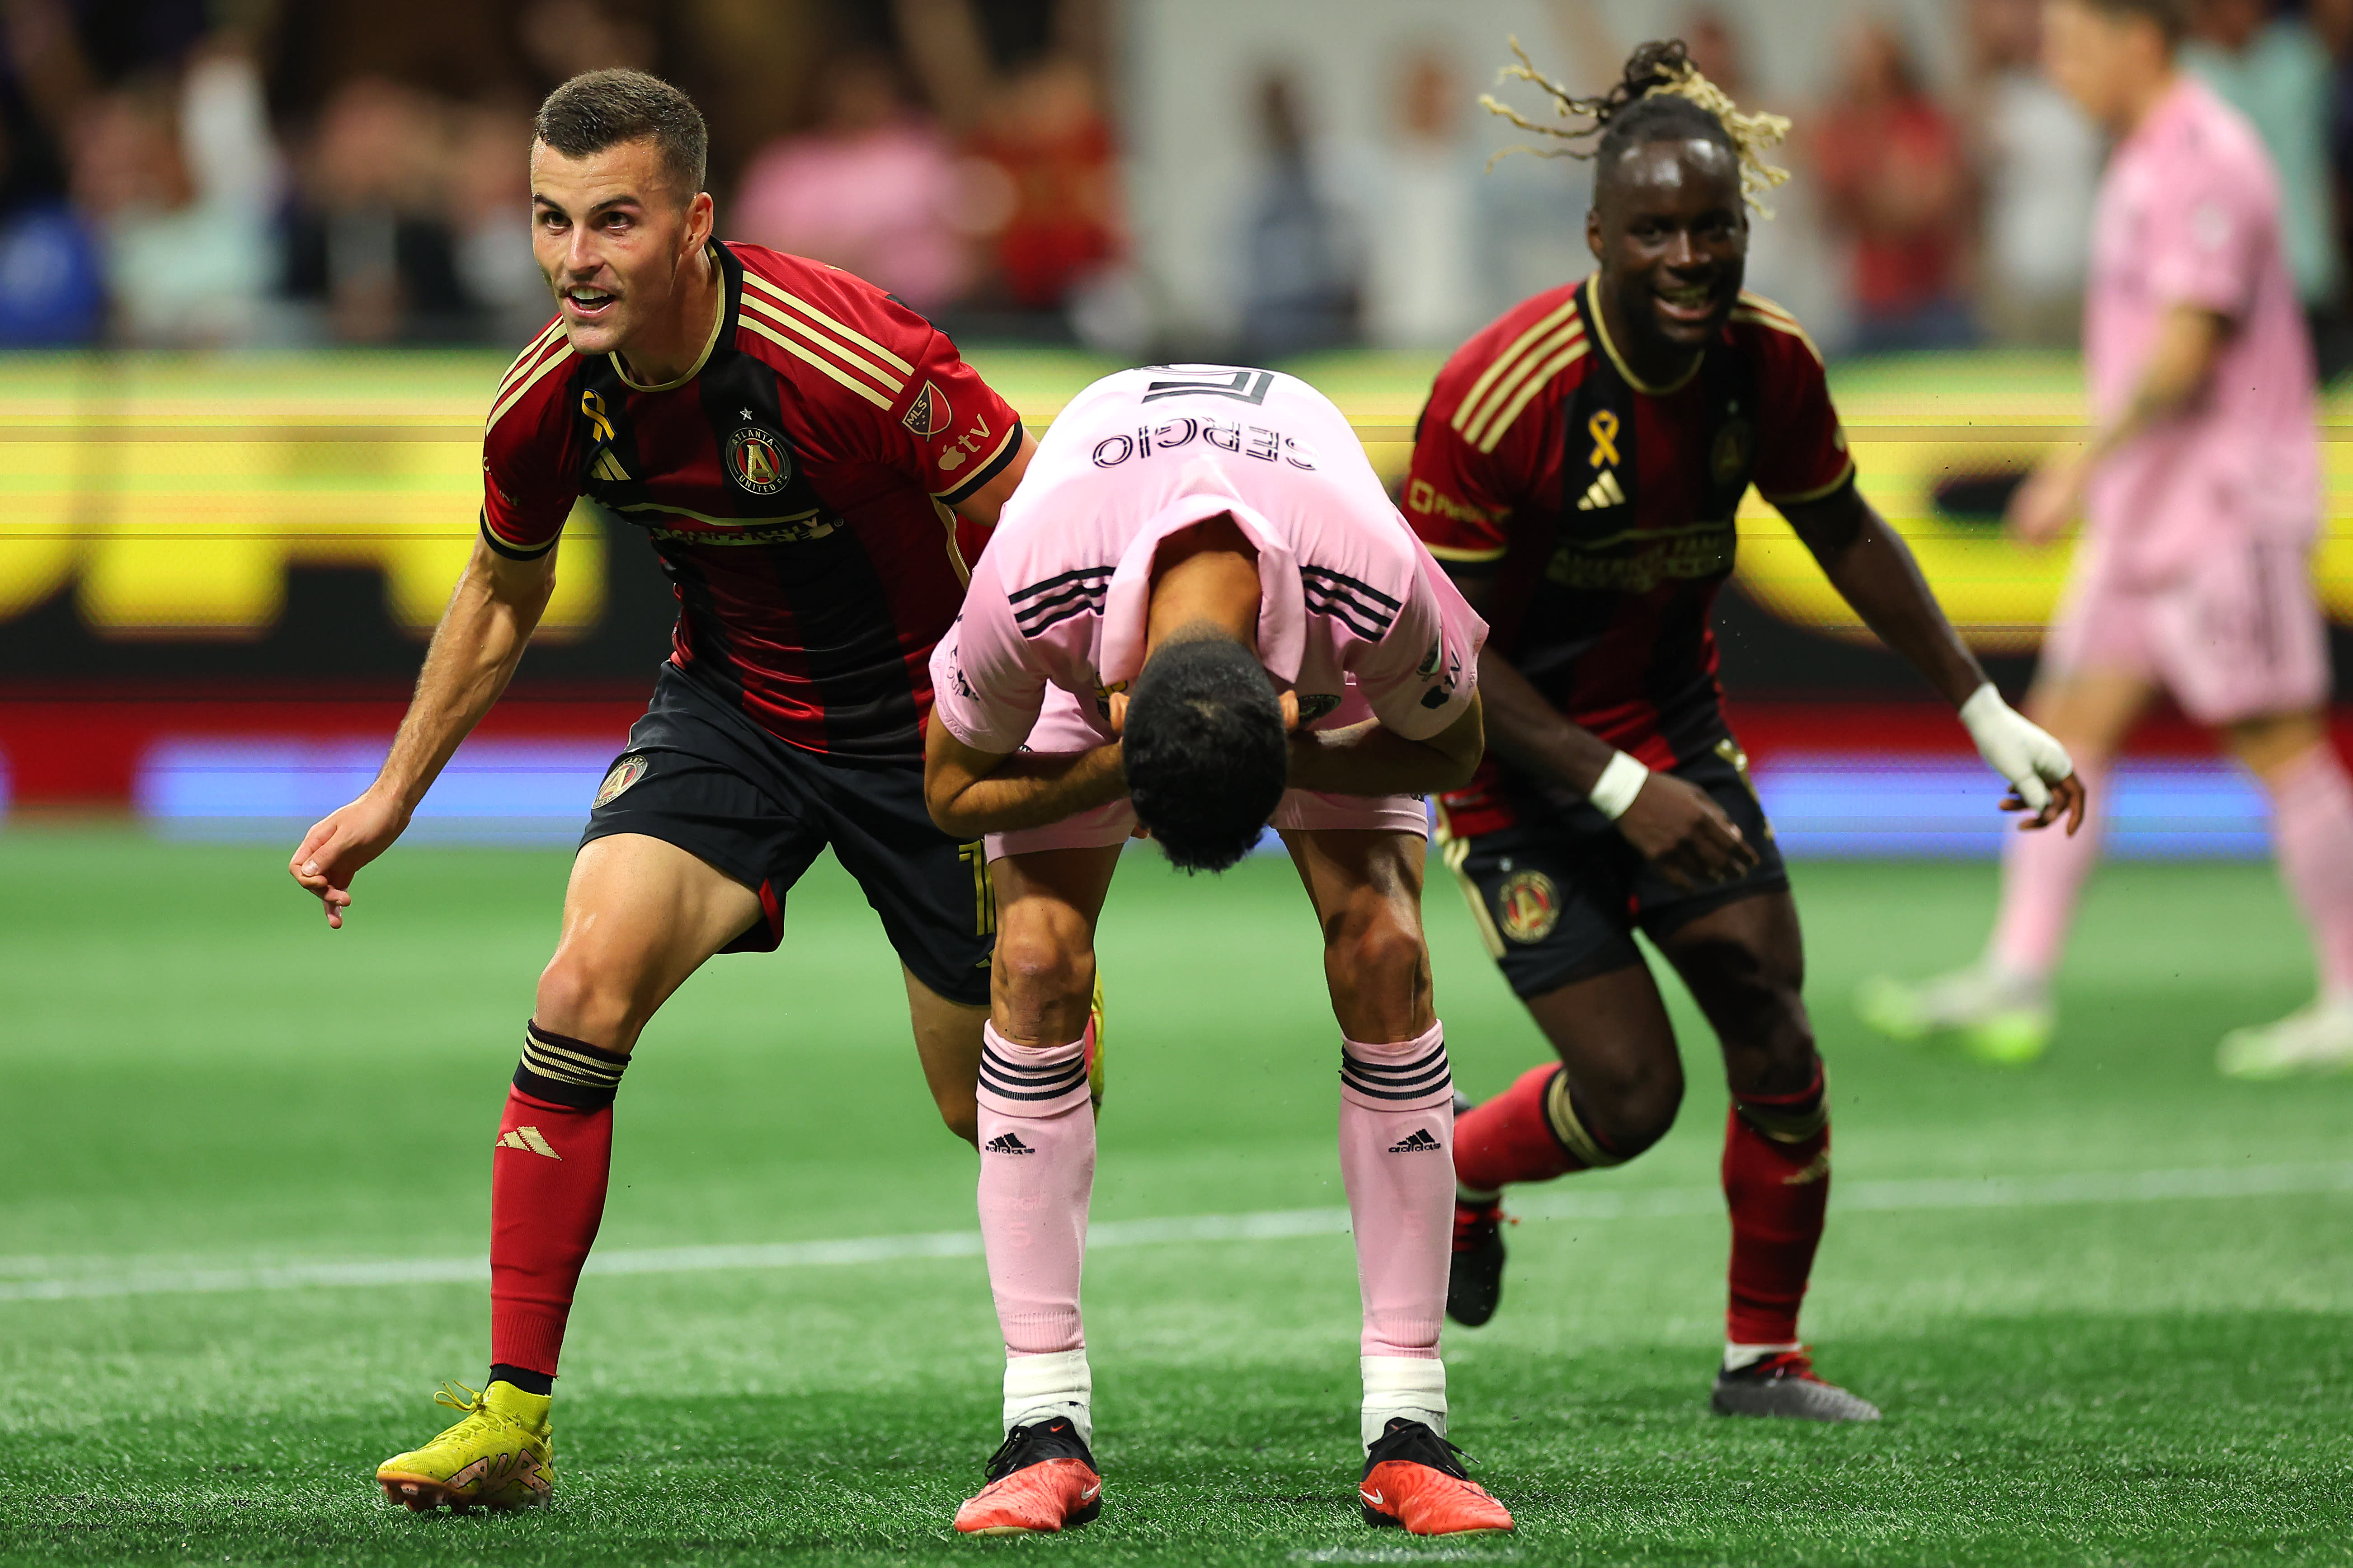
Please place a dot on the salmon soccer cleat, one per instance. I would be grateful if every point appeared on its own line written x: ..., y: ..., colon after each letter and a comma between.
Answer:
x: 1042, y: 1480
x: 1412, y: 1481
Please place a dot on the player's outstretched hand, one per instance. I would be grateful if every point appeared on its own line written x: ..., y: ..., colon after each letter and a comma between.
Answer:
x: 2067, y: 800
x: 2042, y: 778
x: 341, y: 843
x: 1685, y: 834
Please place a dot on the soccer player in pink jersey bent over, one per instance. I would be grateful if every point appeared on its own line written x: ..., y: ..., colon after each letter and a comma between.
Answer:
x: 1200, y: 613
x: 2201, y: 489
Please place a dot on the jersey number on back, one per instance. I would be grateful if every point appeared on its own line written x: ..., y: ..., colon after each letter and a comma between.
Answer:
x: 1241, y: 385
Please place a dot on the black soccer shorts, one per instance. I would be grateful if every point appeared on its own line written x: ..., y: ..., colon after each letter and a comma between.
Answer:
x: 699, y: 774
x: 1559, y: 896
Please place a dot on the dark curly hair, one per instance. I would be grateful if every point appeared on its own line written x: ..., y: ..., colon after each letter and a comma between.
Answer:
x: 1204, y: 751
x: 1661, y: 94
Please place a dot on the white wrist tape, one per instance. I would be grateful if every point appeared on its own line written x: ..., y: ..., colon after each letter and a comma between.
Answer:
x: 2014, y: 747
x: 1620, y: 782
x: 1984, y: 708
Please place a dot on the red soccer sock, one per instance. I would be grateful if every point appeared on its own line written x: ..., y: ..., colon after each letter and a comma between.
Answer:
x: 1777, y: 1189
x: 1510, y: 1138
x: 548, y: 1176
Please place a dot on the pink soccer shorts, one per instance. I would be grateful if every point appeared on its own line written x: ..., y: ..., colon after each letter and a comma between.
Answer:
x: 2240, y: 636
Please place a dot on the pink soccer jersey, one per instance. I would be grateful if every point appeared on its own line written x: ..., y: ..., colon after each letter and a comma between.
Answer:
x: 1355, y: 614
x: 2189, y: 215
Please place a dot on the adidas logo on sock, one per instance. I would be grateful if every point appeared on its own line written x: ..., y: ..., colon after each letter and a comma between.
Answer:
x: 1415, y: 1142
x: 528, y: 1140
x: 1817, y: 1170
x: 1006, y: 1143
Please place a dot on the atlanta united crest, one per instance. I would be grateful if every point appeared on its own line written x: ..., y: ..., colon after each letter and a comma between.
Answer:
x: 626, y: 772
x: 757, y: 461
x: 1527, y: 906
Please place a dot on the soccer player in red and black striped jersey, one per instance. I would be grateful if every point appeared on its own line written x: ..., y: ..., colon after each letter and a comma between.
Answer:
x: 815, y: 465
x: 1577, y: 470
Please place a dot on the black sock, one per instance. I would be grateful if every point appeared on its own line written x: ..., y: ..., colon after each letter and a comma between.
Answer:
x: 541, y: 1382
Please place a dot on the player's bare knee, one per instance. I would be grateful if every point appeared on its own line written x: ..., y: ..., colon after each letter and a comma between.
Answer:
x: 1043, y: 976
x: 1633, y: 1108
x: 1773, y: 1051
x: 1379, y: 968
x: 581, y: 999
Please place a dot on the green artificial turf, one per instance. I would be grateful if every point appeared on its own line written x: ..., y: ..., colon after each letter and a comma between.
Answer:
x: 196, y: 1075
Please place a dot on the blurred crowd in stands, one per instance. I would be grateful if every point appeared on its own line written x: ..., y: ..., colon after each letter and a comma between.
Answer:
x: 192, y: 173
x: 201, y: 172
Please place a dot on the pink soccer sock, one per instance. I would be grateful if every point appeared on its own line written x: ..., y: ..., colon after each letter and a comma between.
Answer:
x: 2312, y: 833
x: 2042, y: 873
x: 1397, y: 1158
x: 1037, y: 1173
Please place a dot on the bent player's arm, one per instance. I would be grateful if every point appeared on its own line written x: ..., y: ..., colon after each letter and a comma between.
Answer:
x: 483, y: 631
x: 2181, y: 358
x: 970, y: 792
x: 986, y: 503
x: 1671, y: 822
x: 1371, y: 758
x: 479, y: 640
x: 2190, y: 340
x: 1873, y: 570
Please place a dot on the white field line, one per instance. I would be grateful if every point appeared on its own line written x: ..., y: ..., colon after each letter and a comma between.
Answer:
x: 20, y: 1280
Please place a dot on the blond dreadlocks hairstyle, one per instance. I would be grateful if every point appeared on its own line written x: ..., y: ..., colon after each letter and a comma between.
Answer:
x: 1660, y: 93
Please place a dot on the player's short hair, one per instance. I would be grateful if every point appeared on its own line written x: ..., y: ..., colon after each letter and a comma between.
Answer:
x: 1660, y: 96
x: 1204, y: 750
x: 597, y: 109
x: 2171, y: 16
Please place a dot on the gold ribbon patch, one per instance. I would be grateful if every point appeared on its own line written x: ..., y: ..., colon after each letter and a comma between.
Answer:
x: 1603, y: 429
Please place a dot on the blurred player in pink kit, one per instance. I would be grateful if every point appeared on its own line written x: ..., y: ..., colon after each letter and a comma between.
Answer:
x: 2201, y: 489
x: 1201, y: 614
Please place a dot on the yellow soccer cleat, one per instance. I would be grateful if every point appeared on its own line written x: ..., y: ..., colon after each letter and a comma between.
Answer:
x: 500, y: 1455
x: 1095, y: 1054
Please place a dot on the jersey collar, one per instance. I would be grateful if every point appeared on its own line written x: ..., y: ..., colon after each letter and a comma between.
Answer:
x: 1127, y: 605
x: 719, y: 319
x: 1601, y: 330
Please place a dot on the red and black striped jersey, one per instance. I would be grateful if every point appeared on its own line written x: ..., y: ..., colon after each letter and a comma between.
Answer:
x: 798, y: 483
x: 1603, y: 506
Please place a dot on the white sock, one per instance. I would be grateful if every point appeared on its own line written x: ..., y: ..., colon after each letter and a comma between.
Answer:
x: 1410, y: 1386
x: 2016, y: 984
x: 1737, y: 1356
x: 1041, y: 1388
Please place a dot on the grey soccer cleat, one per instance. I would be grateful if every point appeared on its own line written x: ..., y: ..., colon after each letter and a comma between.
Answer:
x: 2319, y: 1039
x: 1785, y: 1385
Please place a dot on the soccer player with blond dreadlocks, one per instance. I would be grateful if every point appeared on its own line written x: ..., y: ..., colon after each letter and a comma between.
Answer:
x: 1577, y: 470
